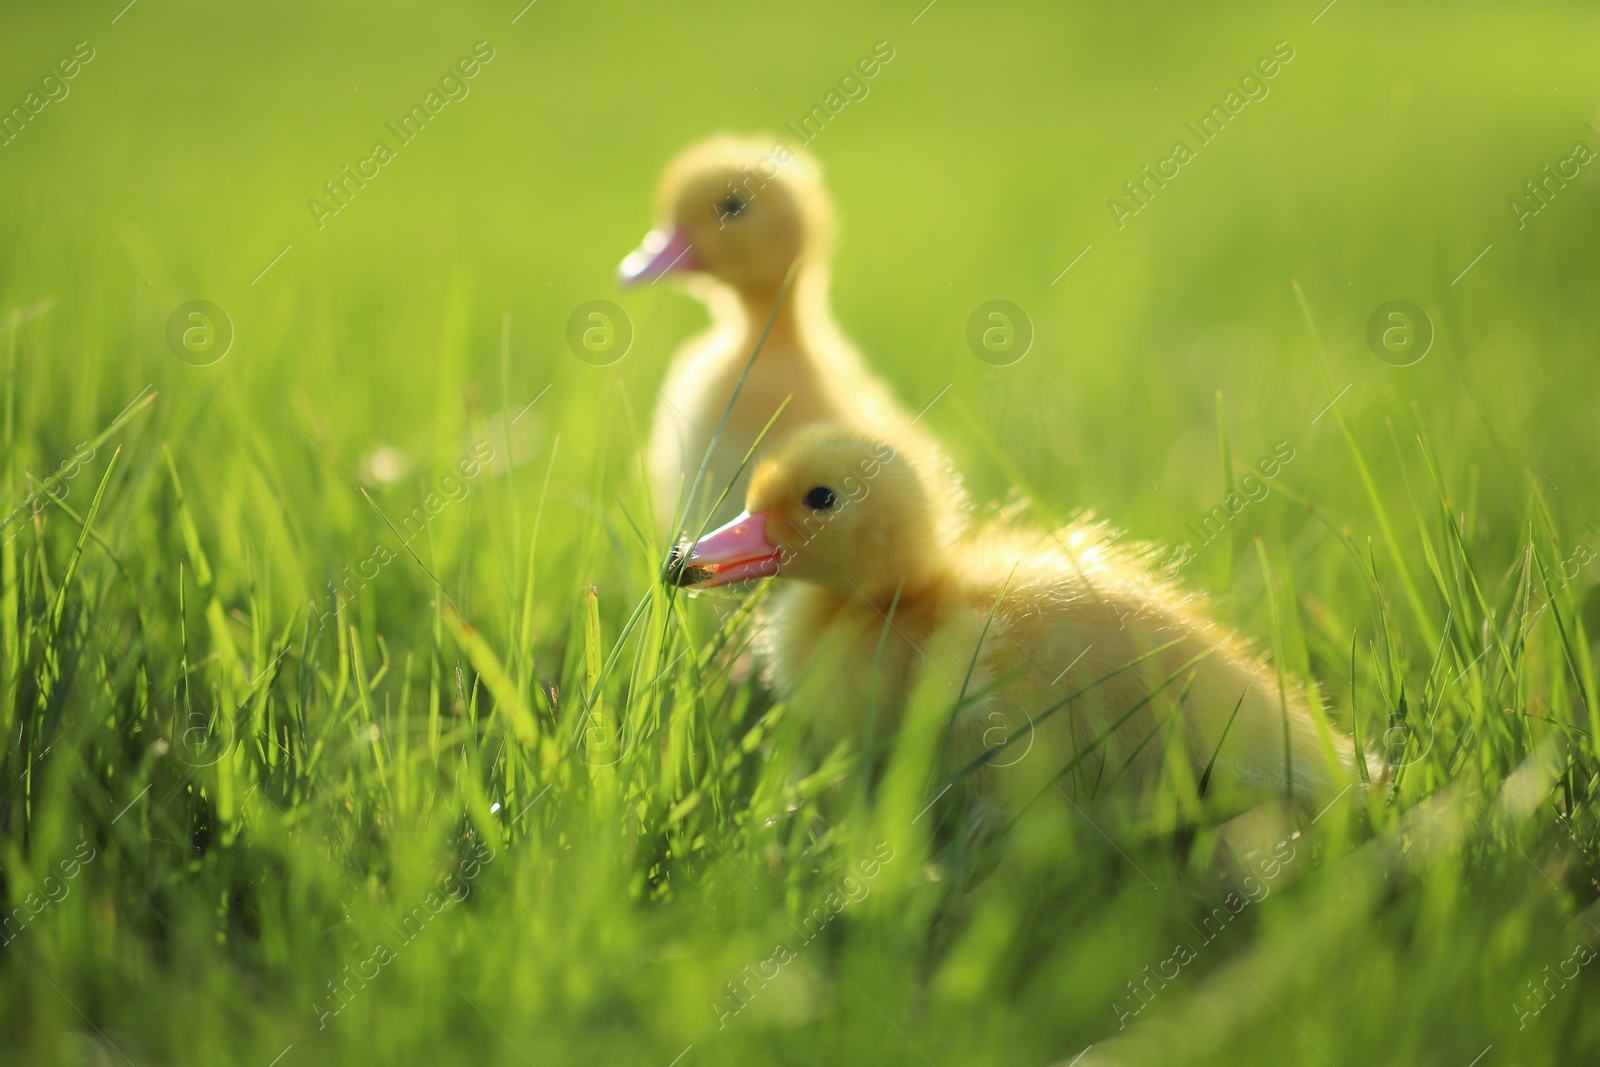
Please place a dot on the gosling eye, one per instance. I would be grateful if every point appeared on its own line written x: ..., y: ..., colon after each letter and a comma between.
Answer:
x: 822, y: 499
x: 732, y: 207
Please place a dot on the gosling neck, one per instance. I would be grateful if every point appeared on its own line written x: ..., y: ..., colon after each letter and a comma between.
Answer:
x: 805, y: 303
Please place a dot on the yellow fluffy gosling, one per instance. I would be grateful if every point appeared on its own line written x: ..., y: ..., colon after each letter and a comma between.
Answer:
x: 853, y: 531
x: 734, y: 214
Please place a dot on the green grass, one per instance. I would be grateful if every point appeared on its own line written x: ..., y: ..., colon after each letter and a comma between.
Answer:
x: 223, y: 793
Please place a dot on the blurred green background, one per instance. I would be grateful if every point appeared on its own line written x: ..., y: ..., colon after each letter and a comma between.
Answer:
x: 179, y: 167
x: 1393, y: 141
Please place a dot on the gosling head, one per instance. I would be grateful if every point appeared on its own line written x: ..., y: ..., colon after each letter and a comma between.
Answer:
x: 834, y: 508
x: 738, y: 209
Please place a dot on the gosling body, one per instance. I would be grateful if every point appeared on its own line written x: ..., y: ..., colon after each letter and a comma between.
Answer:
x: 736, y: 214
x: 1067, y: 662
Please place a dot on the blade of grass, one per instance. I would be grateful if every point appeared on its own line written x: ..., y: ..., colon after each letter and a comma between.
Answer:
x: 1397, y: 556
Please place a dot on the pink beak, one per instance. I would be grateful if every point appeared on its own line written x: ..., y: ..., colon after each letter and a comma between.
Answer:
x: 736, y: 552
x: 663, y: 250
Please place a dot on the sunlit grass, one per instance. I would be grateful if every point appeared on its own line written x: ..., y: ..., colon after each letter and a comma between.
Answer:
x: 314, y: 745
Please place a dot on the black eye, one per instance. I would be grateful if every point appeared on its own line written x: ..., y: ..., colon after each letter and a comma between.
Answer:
x: 732, y: 207
x: 821, y: 499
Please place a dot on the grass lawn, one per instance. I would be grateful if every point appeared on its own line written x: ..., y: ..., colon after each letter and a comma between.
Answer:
x: 343, y: 718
